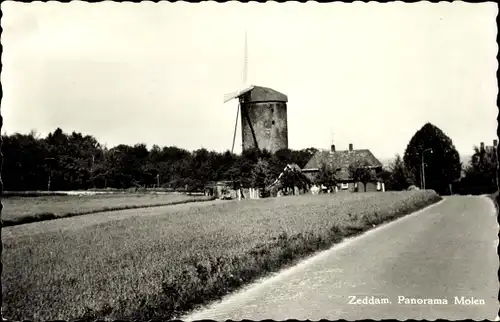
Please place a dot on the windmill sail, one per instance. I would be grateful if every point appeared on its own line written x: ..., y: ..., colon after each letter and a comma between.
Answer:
x: 244, y: 75
x: 230, y: 96
x: 243, y: 89
x: 245, y: 63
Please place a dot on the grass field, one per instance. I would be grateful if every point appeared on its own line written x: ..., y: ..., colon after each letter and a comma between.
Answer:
x: 166, y: 262
x: 20, y: 210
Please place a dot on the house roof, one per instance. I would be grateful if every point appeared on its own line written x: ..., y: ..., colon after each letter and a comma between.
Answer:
x: 255, y: 94
x: 342, y: 160
x: 344, y: 175
x: 263, y: 94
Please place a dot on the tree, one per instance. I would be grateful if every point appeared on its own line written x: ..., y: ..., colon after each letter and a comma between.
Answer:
x: 242, y: 169
x: 77, y: 161
x: 303, y: 156
x: 285, y: 156
x: 442, y: 166
x: 261, y: 174
x: 173, y: 164
x: 26, y: 167
x: 202, y: 168
x: 223, y: 164
x: 293, y: 177
x: 361, y: 172
x: 300, y: 158
x: 480, y: 173
x: 82, y: 151
x: 326, y: 176
x: 397, y: 179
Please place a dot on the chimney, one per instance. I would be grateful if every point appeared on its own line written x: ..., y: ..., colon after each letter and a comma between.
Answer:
x: 332, y: 148
x: 481, y: 146
x: 495, y: 143
x: 350, y: 146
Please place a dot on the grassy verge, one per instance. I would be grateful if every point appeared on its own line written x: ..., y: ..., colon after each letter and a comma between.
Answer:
x: 161, y: 266
x: 23, y: 210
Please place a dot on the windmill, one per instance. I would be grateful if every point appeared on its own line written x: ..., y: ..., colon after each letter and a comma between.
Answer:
x: 263, y: 115
x: 243, y: 89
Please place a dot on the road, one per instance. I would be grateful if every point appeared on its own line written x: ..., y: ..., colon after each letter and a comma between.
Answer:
x: 445, y: 251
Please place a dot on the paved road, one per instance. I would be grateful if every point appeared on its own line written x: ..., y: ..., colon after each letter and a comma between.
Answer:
x: 445, y: 251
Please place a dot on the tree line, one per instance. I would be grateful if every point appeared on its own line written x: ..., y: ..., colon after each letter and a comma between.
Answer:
x: 73, y: 161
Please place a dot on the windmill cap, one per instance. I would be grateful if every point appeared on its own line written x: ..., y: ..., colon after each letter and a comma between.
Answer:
x: 263, y: 94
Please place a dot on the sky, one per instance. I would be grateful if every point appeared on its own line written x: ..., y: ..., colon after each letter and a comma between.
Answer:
x: 369, y: 74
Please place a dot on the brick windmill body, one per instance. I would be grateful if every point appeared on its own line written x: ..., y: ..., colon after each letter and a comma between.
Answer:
x: 264, y: 123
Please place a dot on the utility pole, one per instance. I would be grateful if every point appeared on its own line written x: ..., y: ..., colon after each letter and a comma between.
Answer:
x: 158, y: 180
x: 423, y: 167
x: 422, y: 174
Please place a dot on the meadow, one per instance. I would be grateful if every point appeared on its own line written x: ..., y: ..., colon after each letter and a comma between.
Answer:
x: 163, y: 262
x: 20, y: 210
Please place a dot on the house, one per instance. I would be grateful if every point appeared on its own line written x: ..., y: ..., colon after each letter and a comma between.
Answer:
x: 342, y: 160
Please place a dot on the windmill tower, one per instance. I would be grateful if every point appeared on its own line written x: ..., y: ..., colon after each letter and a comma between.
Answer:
x: 264, y: 123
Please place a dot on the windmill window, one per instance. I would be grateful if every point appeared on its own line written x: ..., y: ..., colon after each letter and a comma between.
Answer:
x: 272, y: 122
